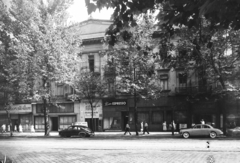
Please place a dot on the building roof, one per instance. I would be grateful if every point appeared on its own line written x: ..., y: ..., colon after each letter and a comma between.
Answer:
x: 92, y: 28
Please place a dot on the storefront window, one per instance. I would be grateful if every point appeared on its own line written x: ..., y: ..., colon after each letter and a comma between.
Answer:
x: 180, y: 117
x: 39, y: 123
x: 143, y: 116
x: 157, y: 117
x: 26, y: 121
x: 66, y: 121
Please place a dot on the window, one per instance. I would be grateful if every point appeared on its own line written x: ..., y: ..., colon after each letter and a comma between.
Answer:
x: 164, y: 84
x: 157, y: 117
x: 197, y: 126
x: 182, y: 79
x: 66, y: 121
x: 111, y: 86
x: 91, y: 62
x: 205, y: 126
x: 59, y: 89
x: 58, y: 108
x: 39, y: 123
x: 143, y: 116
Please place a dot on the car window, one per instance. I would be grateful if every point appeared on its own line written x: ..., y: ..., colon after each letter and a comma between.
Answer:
x: 197, y: 126
x: 205, y: 126
x: 70, y: 128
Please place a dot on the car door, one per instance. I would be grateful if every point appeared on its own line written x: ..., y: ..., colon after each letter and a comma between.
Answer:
x: 69, y: 131
x: 205, y: 130
x: 75, y: 130
x: 196, y: 130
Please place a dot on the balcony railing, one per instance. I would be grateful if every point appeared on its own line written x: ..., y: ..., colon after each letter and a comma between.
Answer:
x: 109, y: 71
x: 87, y: 68
x: 193, y: 89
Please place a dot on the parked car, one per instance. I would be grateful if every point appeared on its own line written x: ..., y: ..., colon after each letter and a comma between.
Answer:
x: 233, y: 132
x: 201, y: 130
x: 76, y: 130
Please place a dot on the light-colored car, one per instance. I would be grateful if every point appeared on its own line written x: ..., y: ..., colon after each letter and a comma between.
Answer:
x: 201, y: 130
x: 233, y: 132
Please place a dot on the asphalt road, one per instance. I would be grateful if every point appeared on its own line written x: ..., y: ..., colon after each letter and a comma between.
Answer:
x: 129, y: 150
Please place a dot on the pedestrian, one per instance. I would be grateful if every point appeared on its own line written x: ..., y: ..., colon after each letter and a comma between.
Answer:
x: 127, y: 128
x: 141, y: 127
x: 164, y: 126
x: 202, y: 122
x: 145, y: 128
x: 3, y: 128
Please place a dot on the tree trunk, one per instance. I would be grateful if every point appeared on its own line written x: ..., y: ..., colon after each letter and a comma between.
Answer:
x: 92, y: 125
x: 45, y: 115
x: 10, y: 123
x: 135, y: 112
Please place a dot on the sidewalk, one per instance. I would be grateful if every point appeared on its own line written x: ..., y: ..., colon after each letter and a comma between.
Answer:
x: 54, y: 134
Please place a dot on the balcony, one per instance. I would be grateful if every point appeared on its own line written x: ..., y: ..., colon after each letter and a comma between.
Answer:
x: 193, y: 90
x: 109, y: 71
x: 86, y: 67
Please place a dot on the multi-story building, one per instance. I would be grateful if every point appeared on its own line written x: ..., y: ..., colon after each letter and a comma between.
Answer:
x: 115, y: 110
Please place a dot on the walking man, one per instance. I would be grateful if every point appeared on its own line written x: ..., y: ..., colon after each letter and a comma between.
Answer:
x: 127, y: 128
x: 145, y: 128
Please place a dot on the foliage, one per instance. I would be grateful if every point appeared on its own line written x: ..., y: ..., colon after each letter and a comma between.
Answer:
x: 189, y: 32
x: 134, y: 59
x: 41, y: 43
x: 37, y: 48
x: 89, y: 86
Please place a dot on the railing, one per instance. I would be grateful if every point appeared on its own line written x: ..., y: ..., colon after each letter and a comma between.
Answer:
x: 87, y: 68
x: 193, y: 89
x: 109, y: 70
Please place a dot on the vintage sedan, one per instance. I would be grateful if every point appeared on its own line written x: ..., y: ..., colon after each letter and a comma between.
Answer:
x: 76, y: 130
x: 201, y: 130
x: 233, y: 132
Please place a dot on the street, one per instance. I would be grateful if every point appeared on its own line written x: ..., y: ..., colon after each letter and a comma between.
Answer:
x: 124, y: 149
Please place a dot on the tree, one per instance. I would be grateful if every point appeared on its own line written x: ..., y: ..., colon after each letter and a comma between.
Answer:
x: 134, y: 59
x: 91, y: 87
x: 220, y: 13
x: 46, y: 49
x: 200, y: 32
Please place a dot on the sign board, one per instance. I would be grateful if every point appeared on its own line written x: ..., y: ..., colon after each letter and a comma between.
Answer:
x: 86, y: 109
x: 18, y: 109
x: 116, y: 102
x: 81, y: 123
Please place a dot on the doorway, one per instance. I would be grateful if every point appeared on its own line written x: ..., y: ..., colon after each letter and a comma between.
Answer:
x: 95, y: 123
x: 54, y: 123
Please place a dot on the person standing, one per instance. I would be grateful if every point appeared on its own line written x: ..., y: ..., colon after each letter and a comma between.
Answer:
x: 145, y: 128
x: 202, y: 122
x: 127, y: 128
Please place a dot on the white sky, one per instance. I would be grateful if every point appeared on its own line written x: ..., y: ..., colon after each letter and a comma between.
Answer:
x: 78, y: 12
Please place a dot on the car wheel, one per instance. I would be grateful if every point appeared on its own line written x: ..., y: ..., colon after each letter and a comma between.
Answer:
x: 213, y: 135
x: 82, y: 135
x: 186, y: 135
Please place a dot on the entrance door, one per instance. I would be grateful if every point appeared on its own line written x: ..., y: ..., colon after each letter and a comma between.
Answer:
x: 54, y: 123
x: 95, y: 123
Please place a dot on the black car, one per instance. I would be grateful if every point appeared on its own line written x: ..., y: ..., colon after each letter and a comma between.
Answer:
x: 76, y: 130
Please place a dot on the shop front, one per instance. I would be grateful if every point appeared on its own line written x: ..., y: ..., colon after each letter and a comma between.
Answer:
x: 20, y: 115
x: 86, y: 114
x: 115, y: 114
x: 59, y: 116
x: 206, y: 111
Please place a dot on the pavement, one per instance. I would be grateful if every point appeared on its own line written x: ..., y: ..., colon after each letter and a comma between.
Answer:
x: 108, y: 134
